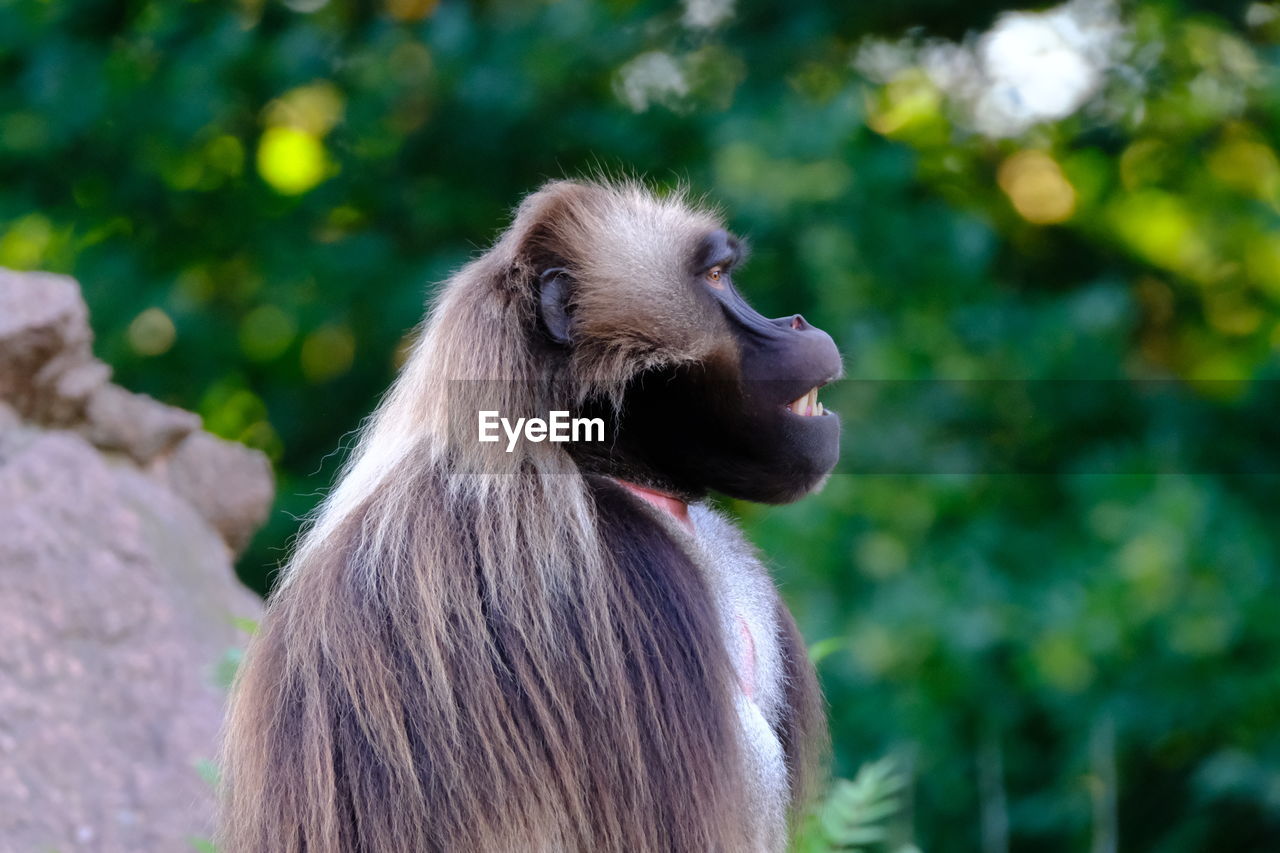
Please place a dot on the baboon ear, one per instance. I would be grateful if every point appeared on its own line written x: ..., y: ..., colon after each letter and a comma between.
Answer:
x: 553, y: 300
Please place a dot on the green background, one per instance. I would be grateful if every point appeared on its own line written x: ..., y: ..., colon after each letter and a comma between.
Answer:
x: 1048, y: 590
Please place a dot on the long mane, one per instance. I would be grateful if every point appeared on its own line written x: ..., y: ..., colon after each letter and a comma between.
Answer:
x: 479, y: 651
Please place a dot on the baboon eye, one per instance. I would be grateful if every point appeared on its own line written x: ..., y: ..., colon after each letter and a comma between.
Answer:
x: 715, y: 277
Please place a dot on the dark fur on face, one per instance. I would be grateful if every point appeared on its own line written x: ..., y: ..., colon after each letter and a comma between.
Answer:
x: 716, y: 422
x: 468, y: 658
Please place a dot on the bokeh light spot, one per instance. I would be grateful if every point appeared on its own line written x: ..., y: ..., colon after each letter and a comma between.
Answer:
x: 314, y: 108
x: 1159, y: 228
x: 411, y: 10
x: 1246, y: 166
x: 1262, y: 261
x: 1220, y: 374
x: 183, y: 173
x: 410, y: 62
x: 26, y: 242
x: 327, y: 353
x: 152, y: 332
x: 652, y: 77
x: 291, y: 160
x: 1231, y: 314
x: 1148, y: 562
x: 1038, y: 189
x: 194, y: 286
x: 909, y: 102
x: 225, y: 154
x: 266, y: 333
x: 1062, y: 663
x: 263, y: 436
x: 881, y: 555
x: 874, y: 650
x: 229, y: 410
x: 706, y: 14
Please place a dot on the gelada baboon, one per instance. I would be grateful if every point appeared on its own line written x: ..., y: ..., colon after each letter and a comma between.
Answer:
x: 561, y: 648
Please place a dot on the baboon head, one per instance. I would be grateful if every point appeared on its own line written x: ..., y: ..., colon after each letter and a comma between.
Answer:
x: 636, y: 302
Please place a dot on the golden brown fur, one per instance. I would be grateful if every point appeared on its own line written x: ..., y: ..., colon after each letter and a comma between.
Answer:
x: 488, y: 652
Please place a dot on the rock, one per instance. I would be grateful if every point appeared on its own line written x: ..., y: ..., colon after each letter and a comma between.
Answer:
x: 116, y: 602
x: 138, y: 425
x: 225, y: 482
x: 47, y: 370
x: 49, y: 377
x: 119, y: 519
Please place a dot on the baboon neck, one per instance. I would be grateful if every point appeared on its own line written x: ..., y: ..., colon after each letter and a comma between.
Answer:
x: 670, y: 504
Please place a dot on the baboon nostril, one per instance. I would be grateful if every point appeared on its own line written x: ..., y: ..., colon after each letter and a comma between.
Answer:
x: 798, y: 323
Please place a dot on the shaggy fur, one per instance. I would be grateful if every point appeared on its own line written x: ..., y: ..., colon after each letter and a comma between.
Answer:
x: 479, y: 651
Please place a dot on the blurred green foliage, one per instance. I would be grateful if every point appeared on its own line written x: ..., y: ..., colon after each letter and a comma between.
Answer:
x: 1067, y: 650
x: 857, y: 815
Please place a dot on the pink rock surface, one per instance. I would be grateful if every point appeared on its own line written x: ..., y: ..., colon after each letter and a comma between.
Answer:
x: 118, y: 525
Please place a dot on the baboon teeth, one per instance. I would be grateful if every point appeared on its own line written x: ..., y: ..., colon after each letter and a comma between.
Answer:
x: 807, y: 405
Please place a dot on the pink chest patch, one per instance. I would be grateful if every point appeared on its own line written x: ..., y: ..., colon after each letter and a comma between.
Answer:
x: 671, y: 505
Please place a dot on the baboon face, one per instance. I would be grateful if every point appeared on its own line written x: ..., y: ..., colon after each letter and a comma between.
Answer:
x: 740, y: 415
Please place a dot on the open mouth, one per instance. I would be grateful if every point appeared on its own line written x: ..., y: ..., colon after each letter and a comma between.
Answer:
x: 807, y: 405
